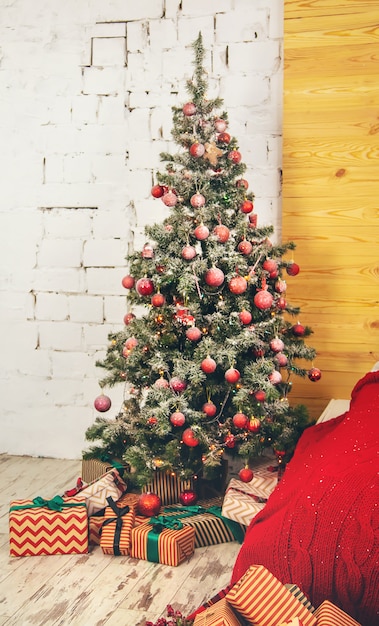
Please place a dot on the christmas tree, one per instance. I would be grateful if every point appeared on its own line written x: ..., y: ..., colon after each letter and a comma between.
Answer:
x: 208, y: 366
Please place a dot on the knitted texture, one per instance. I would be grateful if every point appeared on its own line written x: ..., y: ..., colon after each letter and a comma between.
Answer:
x: 320, y: 527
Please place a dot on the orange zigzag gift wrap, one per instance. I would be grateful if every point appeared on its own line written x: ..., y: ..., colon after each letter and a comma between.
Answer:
x: 163, y: 540
x: 44, y: 527
x: 261, y: 599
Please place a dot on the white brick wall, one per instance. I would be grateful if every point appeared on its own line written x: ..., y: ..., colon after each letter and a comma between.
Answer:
x: 87, y: 90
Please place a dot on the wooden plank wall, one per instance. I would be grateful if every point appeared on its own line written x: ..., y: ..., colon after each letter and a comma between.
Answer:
x: 331, y: 188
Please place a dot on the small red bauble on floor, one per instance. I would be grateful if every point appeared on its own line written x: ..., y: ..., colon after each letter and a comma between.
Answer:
x: 246, y: 475
x: 232, y: 375
x: 189, y: 438
x: 149, y: 504
x: 314, y: 374
x: 102, y: 403
x: 128, y: 282
x: 188, y: 497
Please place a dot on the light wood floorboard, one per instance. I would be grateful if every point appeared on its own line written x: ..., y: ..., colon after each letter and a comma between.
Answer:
x: 92, y: 589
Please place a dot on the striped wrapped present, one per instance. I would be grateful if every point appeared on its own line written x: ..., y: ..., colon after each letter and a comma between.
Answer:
x: 261, y: 599
x: 116, y: 528
x: 96, y: 520
x: 296, y: 591
x: 92, y: 469
x: 163, y: 540
x: 243, y: 501
x: 168, y: 486
x: 328, y: 614
x: 44, y: 527
x: 219, y: 614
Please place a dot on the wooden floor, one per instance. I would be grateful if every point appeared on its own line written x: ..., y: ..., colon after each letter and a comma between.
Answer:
x: 92, y: 589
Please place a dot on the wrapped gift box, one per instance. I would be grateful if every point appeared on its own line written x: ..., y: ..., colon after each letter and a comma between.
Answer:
x: 92, y: 469
x: 96, y: 493
x: 168, y: 486
x: 117, y: 527
x: 328, y: 614
x: 44, y: 527
x: 160, y: 544
x: 296, y: 591
x: 261, y: 599
x: 220, y: 614
x: 243, y: 501
x: 96, y: 520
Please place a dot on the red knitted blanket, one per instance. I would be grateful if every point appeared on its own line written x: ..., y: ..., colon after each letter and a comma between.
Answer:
x: 320, y: 527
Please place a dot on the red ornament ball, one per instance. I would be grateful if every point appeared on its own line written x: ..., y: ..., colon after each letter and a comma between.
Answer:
x: 208, y: 365
x: 145, y: 286
x: 223, y: 138
x: 260, y: 395
x: 214, y: 277
x: 131, y: 343
x: 281, y: 286
x: 245, y: 317
x: 149, y: 504
x: 246, y: 206
x: 292, y: 269
x: 189, y: 108
x: 197, y: 150
x: 242, y: 183
x: 222, y: 233
x: 314, y: 374
x: 235, y: 156
x: 102, y: 403
x: 189, y: 438
x: 188, y: 253
x: 263, y: 300
x: 254, y: 425
x: 128, y: 317
x: 188, y: 497
x: 197, y: 200
x: 281, y: 303
x: 157, y: 191
x: 245, y: 247
x: 158, y: 300
x: 201, y: 232
x: 178, y: 418
x: 128, y: 282
x: 275, y: 377
x: 193, y: 333
x: 170, y: 199
x: 230, y: 441
x: 237, y: 285
x: 246, y: 475
x: 253, y: 220
x: 232, y: 375
x: 270, y: 265
x: 177, y: 384
x: 210, y: 409
x: 298, y: 330
x: 281, y: 359
x: 161, y: 383
x: 240, y: 420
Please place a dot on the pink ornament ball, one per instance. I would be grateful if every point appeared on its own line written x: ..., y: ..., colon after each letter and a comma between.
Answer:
x: 263, y: 300
x: 281, y: 359
x: 220, y: 125
x: 275, y: 377
x: 276, y: 344
x: 170, y: 199
x: 281, y: 286
x: 102, y: 403
x: 197, y: 200
x: 161, y: 383
x: 222, y: 233
x: 245, y: 317
x: 197, y: 150
x: 238, y: 285
x: 201, y: 232
x: 189, y: 109
x: 188, y: 253
x: 208, y: 365
x: 131, y: 343
x: 245, y: 247
x: 235, y: 156
x: 128, y: 317
x: 270, y: 265
x: 214, y: 277
x: 177, y: 419
x: 193, y: 333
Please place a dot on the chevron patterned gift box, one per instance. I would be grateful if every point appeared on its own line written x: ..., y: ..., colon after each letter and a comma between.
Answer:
x: 262, y: 599
x: 41, y: 527
x: 242, y: 501
x: 164, y: 541
x: 97, y: 492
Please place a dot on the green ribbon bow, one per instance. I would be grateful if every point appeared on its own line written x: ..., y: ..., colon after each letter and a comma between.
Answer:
x: 189, y: 511
x: 160, y: 523
x: 55, y: 504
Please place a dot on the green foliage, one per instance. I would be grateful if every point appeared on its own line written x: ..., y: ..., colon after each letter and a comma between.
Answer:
x: 143, y: 434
